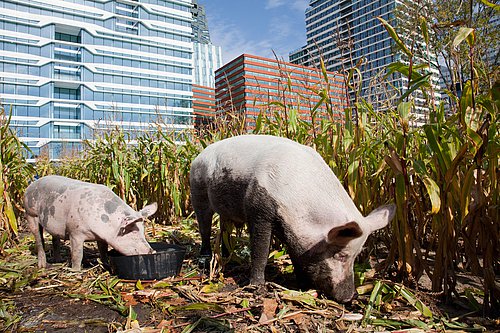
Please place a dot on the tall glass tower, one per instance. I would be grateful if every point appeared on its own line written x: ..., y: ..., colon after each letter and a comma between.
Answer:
x: 207, y: 59
x: 347, y: 32
x: 69, y: 68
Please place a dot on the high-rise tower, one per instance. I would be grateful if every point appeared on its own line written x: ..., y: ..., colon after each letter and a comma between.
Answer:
x: 70, y: 68
x: 207, y: 59
x: 347, y: 32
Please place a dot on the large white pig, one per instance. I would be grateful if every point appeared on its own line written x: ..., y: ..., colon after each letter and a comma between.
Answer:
x: 68, y: 208
x: 276, y: 185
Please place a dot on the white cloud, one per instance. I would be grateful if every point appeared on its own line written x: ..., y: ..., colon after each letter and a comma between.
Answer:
x: 234, y: 43
x: 281, y: 37
x: 299, y: 5
x: 270, y: 4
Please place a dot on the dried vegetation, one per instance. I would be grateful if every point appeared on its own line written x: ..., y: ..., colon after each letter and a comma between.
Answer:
x: 437, y: 266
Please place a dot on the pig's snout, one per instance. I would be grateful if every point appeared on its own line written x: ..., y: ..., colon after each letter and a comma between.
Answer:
x: 344, y: 291
x: 343, y: 295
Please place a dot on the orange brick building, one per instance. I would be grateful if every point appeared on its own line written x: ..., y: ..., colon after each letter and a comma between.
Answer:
x: 252, y: 85
x: 203, y: 105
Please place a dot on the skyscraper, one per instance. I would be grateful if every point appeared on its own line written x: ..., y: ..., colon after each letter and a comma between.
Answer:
x: 69, y: 68
x: 347, y: 32
x: 207, y: 59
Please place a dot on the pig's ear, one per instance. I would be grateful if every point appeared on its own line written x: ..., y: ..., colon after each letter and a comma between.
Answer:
x: 129, y: 220
x: 149, y: 210
x: 380, y: 217
x: 342, y: 235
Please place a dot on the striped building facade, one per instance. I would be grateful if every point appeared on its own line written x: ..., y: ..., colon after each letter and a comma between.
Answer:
x: 69, y: 69
x: 251, y: 85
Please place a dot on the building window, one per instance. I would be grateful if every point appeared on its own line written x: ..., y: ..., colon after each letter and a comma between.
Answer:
x: 66, y: 93
x: 68, y: 37
x: 67, y: 132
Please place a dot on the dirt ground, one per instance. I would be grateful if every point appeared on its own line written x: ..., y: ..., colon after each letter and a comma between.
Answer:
x: 60, y: 300
x: 44, y: 310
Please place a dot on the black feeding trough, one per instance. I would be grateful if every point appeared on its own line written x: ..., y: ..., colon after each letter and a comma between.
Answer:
x: 167, y: 261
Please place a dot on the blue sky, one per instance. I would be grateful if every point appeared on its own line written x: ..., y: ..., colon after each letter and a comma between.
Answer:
x: 256, y: 27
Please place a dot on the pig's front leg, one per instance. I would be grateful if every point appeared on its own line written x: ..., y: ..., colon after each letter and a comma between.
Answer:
x: 35, y: 229
x: 56, y: 248
x: 204, y: 214
x: 103, y: 251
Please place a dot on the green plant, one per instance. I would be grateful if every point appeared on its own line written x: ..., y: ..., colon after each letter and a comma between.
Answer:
x: 15, y: 174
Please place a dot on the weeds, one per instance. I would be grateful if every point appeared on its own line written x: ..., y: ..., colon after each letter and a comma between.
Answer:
x: 443, y: 175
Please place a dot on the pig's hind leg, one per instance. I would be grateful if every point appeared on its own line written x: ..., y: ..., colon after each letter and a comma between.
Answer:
x: 76, y: 252
x: 203, y: 212
x: 204, y: 218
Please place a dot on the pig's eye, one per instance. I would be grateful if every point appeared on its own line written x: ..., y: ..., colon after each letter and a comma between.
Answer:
x: 340, y: 256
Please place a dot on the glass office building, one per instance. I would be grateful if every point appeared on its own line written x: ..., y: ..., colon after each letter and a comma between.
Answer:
x: 347, y: 32
x: 69, y: 69
x: 207, y: 58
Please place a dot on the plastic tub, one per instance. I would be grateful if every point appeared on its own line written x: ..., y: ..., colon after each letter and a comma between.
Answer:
x: 167, y: 261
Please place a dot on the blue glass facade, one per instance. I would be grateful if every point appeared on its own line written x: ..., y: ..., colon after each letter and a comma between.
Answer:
x: 347, y: 32
x: 344, y: 32
x: 71, y: 68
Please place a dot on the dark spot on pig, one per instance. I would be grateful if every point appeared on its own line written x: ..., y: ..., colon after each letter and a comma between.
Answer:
x: 227, y: 193
x: 111, y: 205
x: 126, y: 213
x: 104, y: 218
x: 44, y: 218
x: 52, y: 210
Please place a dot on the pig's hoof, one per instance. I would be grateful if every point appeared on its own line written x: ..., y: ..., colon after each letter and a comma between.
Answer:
x: 257, y: 289
x: 204, y: 261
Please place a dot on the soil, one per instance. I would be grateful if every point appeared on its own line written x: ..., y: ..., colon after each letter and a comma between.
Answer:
x: 45, y: 311
x: 60, y: 300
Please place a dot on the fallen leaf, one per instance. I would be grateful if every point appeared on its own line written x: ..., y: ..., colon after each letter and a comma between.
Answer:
x: 129, y: 299
x: 297, y: 318
x: 269, y: 309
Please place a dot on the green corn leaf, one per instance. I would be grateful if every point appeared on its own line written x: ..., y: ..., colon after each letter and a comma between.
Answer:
x: 394, y: 324
x: 414, y: 301
x: 476, y: 139
x: 462, y: 34
x: 198, y: 307
x: 434, y: 193
x: 491, y: 5
x: 465, y: 193
x: 377, y: 289
x: 430, y: 185
x: 425, y: 32
x: 395, y: 37
x: 404, y: 110
x: 417, y: 84
x: 299, y: 297
x: 435, y: 146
